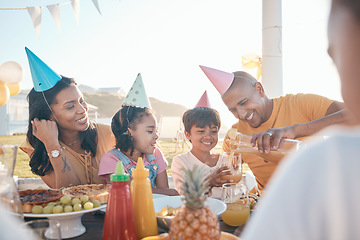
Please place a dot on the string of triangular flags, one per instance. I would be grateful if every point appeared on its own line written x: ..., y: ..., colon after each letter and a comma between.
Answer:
x: 35, y: 13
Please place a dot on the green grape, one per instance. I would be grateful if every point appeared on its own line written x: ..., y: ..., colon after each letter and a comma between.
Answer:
x: 75, y: 201
x: 88, y: 205
x: 37, y: 209
x: 77, y: 207
x: 68, y: 208
x: 65, y: 199
x: 96, y: 203
x: 84, y: 198
x: 52, y: 204
x: 58, y: 209
x: 48, y: 209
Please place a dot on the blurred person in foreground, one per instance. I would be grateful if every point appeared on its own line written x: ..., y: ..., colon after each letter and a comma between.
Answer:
x: 323, y: 201
x: 11, y: 227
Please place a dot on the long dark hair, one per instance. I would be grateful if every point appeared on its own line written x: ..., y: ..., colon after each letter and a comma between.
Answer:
x: 38, y: 108
x: 127, y: 117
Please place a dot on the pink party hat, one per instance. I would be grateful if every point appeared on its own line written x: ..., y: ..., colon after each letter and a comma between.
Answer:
x: 204, y: 101
x: 137, y: 95
x: 221, y: 80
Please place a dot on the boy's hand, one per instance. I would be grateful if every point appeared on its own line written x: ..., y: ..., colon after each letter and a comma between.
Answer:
x: 214, y: 177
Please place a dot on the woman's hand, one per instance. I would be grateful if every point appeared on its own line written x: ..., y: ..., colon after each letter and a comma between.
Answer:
x: 46, y: 131
x: 214, y: 177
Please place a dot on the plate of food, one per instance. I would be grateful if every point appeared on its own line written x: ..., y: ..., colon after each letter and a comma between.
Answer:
x: 166, y: 236
x: 67, y: 205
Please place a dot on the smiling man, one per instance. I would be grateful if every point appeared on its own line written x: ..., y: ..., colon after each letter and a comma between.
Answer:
x: 269, y: 121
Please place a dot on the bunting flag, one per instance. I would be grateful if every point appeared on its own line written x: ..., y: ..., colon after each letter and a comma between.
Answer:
x: 35, y: 14
x: 55, y: 12
x: 96, y: 5
x: 76, y: 7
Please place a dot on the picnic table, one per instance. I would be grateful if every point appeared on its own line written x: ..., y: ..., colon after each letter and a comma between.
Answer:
x: 94, y: 222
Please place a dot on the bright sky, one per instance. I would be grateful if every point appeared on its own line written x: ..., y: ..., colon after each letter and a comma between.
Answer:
x: 166, y: 40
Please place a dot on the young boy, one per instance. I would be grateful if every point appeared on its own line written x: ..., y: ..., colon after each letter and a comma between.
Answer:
x: 202, y: 126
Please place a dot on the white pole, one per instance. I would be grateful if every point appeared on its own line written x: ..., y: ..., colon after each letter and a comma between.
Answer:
x: 4, y: 120
x: 272, y: 78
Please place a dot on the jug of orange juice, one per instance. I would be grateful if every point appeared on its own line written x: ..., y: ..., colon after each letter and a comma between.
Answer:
x: 241, y: 144
x: 141, y: 195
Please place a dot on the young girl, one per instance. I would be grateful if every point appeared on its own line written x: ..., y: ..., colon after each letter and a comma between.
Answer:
x: 134, y: 127
x: 201, y: 129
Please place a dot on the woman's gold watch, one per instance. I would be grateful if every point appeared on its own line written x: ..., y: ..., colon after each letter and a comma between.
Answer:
x: 55, y: 153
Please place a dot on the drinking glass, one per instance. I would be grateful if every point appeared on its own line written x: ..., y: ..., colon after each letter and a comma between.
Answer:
x: 44, y: 229
x: 236, y: 199
x: 233, y: 161
x: 9, y: 196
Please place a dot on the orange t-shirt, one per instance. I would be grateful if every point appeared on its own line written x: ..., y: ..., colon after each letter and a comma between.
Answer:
x: 288, y: 110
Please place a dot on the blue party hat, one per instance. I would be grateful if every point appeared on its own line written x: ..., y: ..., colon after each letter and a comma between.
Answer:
x: 43, y: 76
x: 137, y: 96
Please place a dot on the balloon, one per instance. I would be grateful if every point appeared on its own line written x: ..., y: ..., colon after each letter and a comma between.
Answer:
x: 4, y: 93
x: 14, y: 88
x: 11, y: 72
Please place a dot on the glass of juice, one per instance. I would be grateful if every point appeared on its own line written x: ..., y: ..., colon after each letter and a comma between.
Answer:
x: 235, y: 164
x: 236, y: 198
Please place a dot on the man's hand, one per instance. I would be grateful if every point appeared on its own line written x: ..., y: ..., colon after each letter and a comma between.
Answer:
x: 214, y: 177
x: 271, y: 139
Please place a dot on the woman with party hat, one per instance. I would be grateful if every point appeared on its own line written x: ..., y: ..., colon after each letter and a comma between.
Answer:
x: 64, y: 146
x: 135, y: 130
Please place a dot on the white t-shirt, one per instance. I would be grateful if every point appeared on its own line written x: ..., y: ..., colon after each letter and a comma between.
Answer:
x: 188, y: 161
x: 315, y: 193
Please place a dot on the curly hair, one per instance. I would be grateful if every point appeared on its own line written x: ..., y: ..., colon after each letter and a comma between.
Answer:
x: 201, y: 117
x: 38, y: 108
x: 127, y: 117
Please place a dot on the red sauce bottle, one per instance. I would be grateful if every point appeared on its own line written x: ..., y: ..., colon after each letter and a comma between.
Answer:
x: 119, y: 217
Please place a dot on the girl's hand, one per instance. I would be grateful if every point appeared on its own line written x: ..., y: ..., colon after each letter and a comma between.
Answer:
x: 46, y: 131
x: 214, y: 177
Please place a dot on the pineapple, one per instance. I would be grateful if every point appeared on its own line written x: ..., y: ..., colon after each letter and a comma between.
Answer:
x: 194, y: 220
